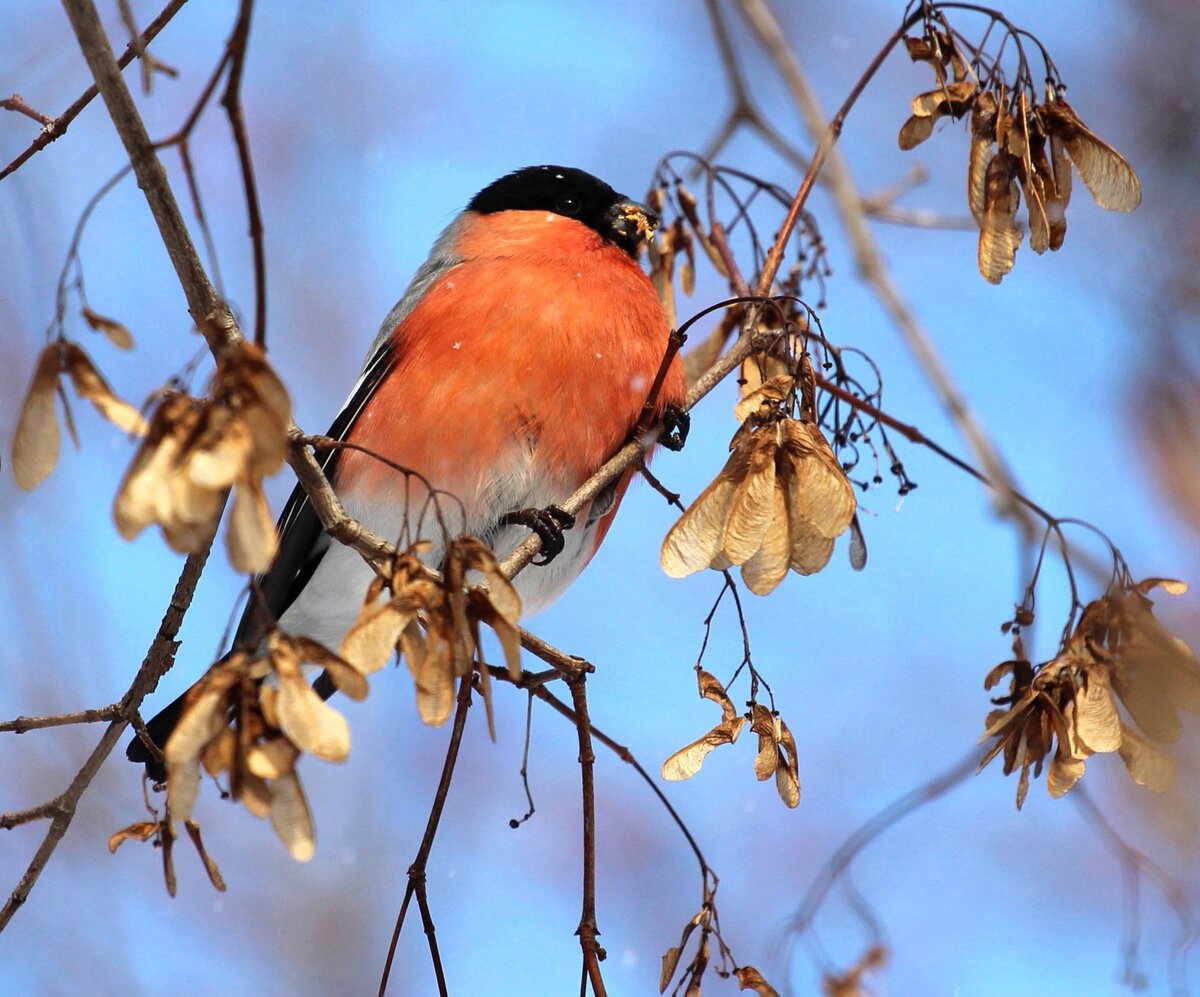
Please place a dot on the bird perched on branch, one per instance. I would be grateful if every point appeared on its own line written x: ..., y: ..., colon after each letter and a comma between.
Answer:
x: 520, y: 358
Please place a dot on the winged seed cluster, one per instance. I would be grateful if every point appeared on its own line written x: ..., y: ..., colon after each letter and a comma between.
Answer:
x: 434, y: 623
x: 1018, y: 145
x: 776, y: 754
x: 778, y: 503
x: 1066, y: 709
x: 253, y: 715
x: 253, y: 731
x: 196, y: 449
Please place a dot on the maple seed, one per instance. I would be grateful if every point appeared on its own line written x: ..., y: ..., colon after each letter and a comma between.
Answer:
x: 117, y: 334
x: 36, y: 443
x: 750, y: 978
x: 686, y: 762
x: 196, y: 449
x: 850, y: 983
x: 670, y: 959
x: 1112, y: 182
x: 953, y: 99
x: 778, y: 503
x: 1017, y: 144
x: 231, y: 722
x: 434, y: 624
x: 776, y: 753
x: 999, y: 234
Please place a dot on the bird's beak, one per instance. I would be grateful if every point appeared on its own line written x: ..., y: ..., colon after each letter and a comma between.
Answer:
x: 632, y: 224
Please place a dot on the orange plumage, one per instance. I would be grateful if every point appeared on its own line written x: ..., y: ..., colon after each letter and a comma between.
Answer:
x: 533, y: 355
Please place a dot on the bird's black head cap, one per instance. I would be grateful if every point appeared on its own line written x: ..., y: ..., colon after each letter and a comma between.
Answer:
x: 572, y: 193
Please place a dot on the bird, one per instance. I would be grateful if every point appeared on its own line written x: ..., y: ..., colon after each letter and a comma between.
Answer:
x: 520, y: 357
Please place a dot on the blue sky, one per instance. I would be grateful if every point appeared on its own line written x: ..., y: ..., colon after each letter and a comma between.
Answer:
x: 372, y: 126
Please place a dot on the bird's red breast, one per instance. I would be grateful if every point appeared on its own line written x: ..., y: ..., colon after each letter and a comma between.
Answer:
x: 530, y: 359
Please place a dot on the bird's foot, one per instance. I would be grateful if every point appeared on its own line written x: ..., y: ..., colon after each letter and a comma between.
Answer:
x: 548, y: 523
x: 676, y: 423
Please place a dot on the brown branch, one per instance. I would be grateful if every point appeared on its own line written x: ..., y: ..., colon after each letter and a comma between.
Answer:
x: 61, y: 810
x: 566, y: 665
x: 745, y: 113
x: 376, y: 551
x: 416, y: 871
x: 210, y: 314
x: 232, y: 102
x: 136, y: 43
x: 15, y: 818
x: 58, y: 127
x: 828, y: 134
x: 15, y: 103
x: 23, y: 724
x: 708, y: 878
x: 588, y: 932
x: 622, y: 752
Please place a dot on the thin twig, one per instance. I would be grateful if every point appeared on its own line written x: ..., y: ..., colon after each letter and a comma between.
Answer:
x: 210, y: 314
x: 588, y: 932
x: 376, y: 551
x: 827, y: 135
x: 15, y: 103
x: 232, y: 102
x: 532, y: 809
x: 58, y: 127
x: 745, y: 113
x: 61, y: 810
x: 416, y: 871
x: 23, y: 724
x: 568, y: 666
x: 628, y: 757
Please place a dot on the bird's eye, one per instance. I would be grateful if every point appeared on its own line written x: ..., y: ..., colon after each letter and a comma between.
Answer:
x: 567, y: 205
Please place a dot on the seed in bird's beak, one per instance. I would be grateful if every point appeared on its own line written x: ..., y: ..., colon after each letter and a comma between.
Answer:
x: 639, y: 219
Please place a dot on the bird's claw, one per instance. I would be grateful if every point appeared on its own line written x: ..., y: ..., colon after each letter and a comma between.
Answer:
x: 548, y: 523
x: 676, y: 422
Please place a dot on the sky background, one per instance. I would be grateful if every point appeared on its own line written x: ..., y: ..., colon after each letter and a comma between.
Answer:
x: 372, y: 125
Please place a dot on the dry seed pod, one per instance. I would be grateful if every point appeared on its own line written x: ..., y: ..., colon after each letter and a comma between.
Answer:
x: 1113, y: 183
x: 999, y: 234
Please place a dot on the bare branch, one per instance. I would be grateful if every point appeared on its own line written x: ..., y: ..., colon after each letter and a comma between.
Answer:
x: 210, y: 314
x: 23, y: 724
x: 58, y: 127
x: 376, y: 551
x: 588, y: 932
x: 15, y: 103
x: 61, y: 810
x: 416, y: 871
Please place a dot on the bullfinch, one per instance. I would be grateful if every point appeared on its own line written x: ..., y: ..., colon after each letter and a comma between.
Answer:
x: 517, y: 361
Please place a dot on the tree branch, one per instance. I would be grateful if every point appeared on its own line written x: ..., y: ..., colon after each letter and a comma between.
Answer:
x: 210, y: 314
x: 23, y: 724
x: 58, y: 127
x: 61, y: 810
